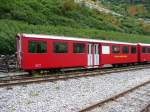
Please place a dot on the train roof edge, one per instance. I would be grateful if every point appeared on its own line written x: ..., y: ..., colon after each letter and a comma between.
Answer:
x: 75, y: 39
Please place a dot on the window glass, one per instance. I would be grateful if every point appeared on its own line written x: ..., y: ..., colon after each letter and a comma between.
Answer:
x: 32, y: 47
x: 143, y: 49
x: 148, y: 50
x: 60, y: 47
x: 89, y: 48
x: 125, y: 49
x: 115, y: 49
x: 133, y: 50
x: 78, y: 48
x: 37, y: 47
x: 96, y: 49
x: 41, y: 47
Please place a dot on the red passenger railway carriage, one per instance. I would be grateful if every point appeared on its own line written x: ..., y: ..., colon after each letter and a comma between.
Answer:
x: 144, y: 52
x: 49, y: 52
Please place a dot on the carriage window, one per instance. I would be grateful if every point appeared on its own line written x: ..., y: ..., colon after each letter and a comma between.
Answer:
x: 60, y: 47
x: 115, y: 49
x: 32, y: 47
x: 125, y: 49
x: 143, y: 49
x: 133, y: 50
x: 78, y: 48
x: 148, y: 50
x: 37, y: 47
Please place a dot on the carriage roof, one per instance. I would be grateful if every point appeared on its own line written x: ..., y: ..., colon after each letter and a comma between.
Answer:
x: 73, y: 39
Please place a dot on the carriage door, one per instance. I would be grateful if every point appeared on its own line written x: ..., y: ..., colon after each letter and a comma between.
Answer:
x: 96, y: 54
x: 90, y: 55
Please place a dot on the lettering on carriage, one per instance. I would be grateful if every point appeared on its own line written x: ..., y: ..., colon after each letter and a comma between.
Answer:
x: 121, y: 56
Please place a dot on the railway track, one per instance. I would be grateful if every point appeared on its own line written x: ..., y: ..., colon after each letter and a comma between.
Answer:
x: 146, y: 109
x: 10, y: 81
x: 125, y: 100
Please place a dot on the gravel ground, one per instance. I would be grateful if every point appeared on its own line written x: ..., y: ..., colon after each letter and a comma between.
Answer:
x: 68, y: 96
x: 134, y: 101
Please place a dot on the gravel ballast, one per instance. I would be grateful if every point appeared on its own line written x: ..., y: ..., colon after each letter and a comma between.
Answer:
x: 134, y: 101
x: 68, y: 96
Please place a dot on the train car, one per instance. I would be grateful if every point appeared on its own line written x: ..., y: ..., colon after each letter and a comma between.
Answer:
x: 118, y: 53
x: 144, y: 52
x: 36, y: 52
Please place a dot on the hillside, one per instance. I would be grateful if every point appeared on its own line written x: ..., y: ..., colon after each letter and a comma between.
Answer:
x: 65, y: 17
x: 136, y: 8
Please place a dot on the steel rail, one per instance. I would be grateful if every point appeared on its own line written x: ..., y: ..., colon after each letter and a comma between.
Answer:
x: 112, y: 98
x: 28, y: 80
x: 146, y: 109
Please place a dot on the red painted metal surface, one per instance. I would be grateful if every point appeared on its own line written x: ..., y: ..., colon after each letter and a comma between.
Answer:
x: 50, y: 60
x: 118, y: 58
x: 143, y: 57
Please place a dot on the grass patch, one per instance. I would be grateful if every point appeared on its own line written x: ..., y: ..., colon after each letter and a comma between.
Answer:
x: 34, y: 94
x: 36, y: 76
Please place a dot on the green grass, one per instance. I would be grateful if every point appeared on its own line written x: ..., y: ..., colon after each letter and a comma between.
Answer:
x: 37, y: 76
x: 64, y: 17
x: 66, y: 13
x: 9, y: 29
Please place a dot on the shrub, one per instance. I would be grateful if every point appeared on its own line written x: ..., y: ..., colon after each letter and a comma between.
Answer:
x: 69, y: 5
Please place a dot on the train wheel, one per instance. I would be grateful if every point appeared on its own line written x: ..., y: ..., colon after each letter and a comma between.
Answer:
x: 115, y: 65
